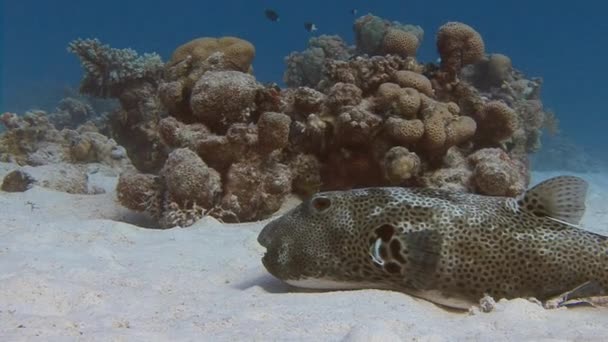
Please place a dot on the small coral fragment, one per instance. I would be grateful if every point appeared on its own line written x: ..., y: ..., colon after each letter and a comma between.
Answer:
x: 400, y: 165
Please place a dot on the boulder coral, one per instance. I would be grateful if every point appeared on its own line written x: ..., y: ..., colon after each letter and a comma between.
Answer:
x: 190, y: 61
x: 220, y: 98
x: 399, y: 42
x: 458, y: 45
x: 377, y: 36
x: 497, y: 122
x: 400, y: 164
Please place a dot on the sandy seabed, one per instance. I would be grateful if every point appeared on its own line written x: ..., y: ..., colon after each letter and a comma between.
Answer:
x: 71, y: 270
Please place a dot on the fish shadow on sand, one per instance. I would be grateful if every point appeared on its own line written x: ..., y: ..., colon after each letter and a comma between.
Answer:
x: 267, y: 282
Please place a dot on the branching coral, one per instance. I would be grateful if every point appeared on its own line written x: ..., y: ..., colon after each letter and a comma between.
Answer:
x: 108, y: 71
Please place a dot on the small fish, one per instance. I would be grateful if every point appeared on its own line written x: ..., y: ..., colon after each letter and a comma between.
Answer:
x: 310, y: 27
x: 353, y: 11
x: 272, y: 15
x: 449, y: 248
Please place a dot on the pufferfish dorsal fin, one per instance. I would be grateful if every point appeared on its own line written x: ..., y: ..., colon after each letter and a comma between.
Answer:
x: 561, y: 198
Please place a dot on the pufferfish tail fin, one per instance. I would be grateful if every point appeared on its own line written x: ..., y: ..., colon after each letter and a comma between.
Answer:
x: 561, y: 198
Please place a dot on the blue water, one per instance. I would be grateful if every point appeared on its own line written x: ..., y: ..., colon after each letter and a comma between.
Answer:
x: 562, y: 41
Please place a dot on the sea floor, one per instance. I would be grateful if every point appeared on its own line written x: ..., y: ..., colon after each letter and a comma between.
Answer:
x: 71, y: 270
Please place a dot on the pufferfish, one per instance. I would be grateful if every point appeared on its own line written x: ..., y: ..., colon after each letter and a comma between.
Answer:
x: 450, y: 248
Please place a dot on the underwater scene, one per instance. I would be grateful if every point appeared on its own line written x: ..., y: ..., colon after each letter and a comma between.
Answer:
x: 303, y: 171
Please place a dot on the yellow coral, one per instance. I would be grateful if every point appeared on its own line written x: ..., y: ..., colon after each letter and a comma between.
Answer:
x: 460, y: 130
x: 434, y: 132
x: 408, y: 103
x: 399, y: 42
x: 386, y: 95
x: 410, y: 79
x: 459, y: 44
x: 400, y: 164
x: 404, y: 131
x: 453, y: 108
x: 238, y: 53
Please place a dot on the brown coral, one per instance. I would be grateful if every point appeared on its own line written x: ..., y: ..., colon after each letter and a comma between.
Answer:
x: 404, y: 132
x: 459, y: 130
x: 219, y: 151
x: 273, y: 131
x: 307, y: 100
x: 238, y: 53
x: 189, y: 180
x: 356, y: 127
x: 367, y: 73
x: 176, y: 134
x: 400, y: 164
x: 256, y: 188
x: 221, y: 98
x: 434, y: 132
x: 496, y: 122
x: 496, y: 174
x: 386, y: 95
x: 408, y: 103
x: 399, y: 42
x: 306, y: 171
x: 411, y: 79
x: 341, y: 95
x: 459, y: 44
x: 134, y: 190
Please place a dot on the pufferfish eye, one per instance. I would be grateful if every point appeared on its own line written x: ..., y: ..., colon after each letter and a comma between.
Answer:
x: 321, y: 203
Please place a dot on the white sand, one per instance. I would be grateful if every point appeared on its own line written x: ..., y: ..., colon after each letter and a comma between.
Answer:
x: 70, y: 271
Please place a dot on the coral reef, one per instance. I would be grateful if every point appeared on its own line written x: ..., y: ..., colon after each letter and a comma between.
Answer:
x: 193, y: 59
x: 208, y: 139
x: 32, y: 140
x: 377, y: 36
x: 109, y: 71
x: 306, y: 68
x: 459, y: 45
x: 133, y: 80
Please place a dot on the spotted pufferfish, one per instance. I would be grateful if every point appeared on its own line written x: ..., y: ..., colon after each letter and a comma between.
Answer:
x: 450, y: 248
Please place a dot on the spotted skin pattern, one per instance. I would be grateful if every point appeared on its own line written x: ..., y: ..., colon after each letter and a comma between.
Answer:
x: 458, y: 244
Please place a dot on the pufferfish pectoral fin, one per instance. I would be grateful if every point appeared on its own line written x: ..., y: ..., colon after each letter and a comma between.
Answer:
x: 561, y: 198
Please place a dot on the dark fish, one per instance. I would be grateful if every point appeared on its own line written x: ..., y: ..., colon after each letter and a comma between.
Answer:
x: 450, y: 248
x: 310, y: 27
x: 272, y: 15
x: 353, y: 11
